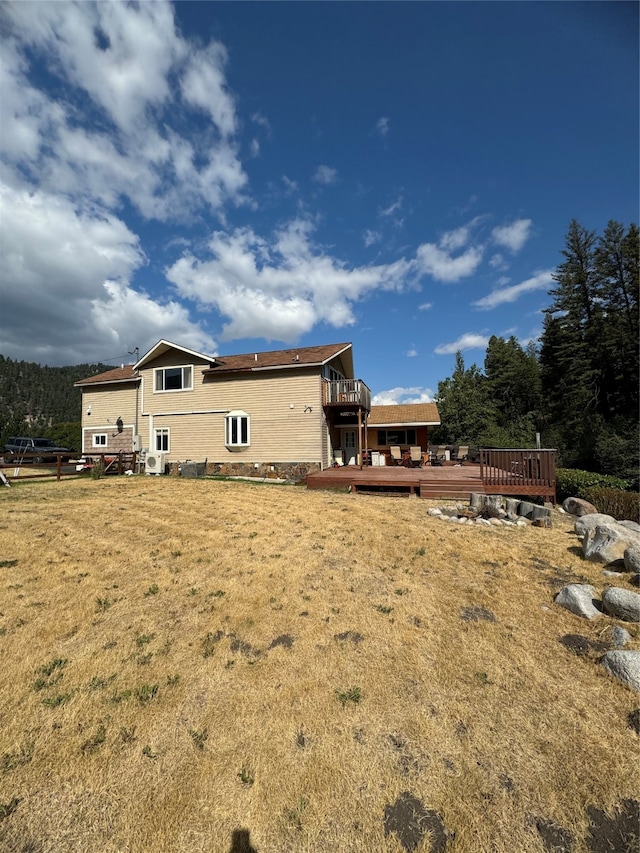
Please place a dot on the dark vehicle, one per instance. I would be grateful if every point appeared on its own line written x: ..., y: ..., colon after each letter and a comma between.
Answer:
x: 39, y: 450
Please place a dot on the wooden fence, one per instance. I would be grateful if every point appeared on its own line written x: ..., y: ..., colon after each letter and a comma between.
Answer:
x: 22, y: 467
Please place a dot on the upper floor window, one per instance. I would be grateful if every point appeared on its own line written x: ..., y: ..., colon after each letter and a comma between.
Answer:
x: 99, y: 439
x: 174, y: 378
x: 236, y: 425
x: 332, y: 374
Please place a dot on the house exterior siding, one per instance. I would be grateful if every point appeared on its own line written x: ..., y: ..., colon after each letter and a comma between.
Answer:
x: 280, y: 392
x: 280, y: 428
x: 108, y: 404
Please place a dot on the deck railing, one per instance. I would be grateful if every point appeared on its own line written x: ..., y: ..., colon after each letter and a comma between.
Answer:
x: 531, y: 471
x: 346, y: 391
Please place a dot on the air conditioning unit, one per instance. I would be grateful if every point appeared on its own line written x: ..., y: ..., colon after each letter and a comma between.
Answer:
x: 155, y: 463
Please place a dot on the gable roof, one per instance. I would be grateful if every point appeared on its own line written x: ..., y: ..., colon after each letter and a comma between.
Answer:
x: 164, y: 346
x: 274, y: 360
x: 126, y: 373
x: 280, y: 359
x: 410, y: 414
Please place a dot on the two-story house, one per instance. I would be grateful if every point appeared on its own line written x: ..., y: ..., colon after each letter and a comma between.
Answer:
x: 281, y: 413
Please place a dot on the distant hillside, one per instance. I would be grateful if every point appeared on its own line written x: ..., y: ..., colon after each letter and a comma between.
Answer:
x: 34, y: 399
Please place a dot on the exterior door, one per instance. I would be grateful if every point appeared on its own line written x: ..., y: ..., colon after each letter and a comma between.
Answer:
x: 350, y: 446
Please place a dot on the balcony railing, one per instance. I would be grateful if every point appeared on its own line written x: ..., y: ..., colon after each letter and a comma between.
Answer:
x: 342, y: 392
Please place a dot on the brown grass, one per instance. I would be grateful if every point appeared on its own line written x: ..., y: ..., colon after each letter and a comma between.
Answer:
x: 224, y: 656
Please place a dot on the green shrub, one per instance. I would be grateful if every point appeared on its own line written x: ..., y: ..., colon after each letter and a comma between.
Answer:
x: 573, y: 483
x: 97, y: 472
x: 615, y: 502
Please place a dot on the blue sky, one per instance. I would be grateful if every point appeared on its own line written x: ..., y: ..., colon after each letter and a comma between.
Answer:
x: 248, y: 176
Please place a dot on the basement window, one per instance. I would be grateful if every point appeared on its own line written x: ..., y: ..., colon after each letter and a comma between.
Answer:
x: 237, y: 432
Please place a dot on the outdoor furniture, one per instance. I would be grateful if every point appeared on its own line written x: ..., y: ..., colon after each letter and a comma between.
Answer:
x: 396, y: 455
x: 338, y: 459
x: 438, y: 455
x: 462, y: 454
x: 415, y: 456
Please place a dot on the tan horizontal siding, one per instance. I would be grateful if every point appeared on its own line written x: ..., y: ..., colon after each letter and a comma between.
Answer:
x: 108, y: 403
x: 281, y: 429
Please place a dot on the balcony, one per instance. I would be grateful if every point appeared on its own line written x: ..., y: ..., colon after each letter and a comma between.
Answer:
x: 346, y: 392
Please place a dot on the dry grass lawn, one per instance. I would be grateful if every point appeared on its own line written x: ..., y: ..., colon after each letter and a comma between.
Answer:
x: 193, y: 665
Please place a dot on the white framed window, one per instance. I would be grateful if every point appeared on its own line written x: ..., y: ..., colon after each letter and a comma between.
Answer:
x: 237, y: 431
x: 161, y: 440
x: 173, y: 378
x: 332, y: 374
x: 99, y: 439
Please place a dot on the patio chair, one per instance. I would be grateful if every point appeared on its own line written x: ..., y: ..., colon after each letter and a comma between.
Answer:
x: 463, y: 453
x: 438, y: 455
x: 415, y: 455
x: 396, y: 455
x: 338, y: 458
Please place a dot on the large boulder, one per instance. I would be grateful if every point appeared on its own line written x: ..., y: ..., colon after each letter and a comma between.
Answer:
x: 607, y: 542
x: 624, y: 665
x: 632, y: 558
x: 631, y: 525
x: 590, y: 522
x: 578, y: 506
x: 622, y: 603
x: 579, y: 599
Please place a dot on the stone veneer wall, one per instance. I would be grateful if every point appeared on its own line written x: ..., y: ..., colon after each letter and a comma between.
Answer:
x: 295, y: 471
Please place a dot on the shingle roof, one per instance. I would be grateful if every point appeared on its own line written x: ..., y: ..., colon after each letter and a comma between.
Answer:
x: 410, y: 413
x: 118, y: 374
x: 277, y: 358
x: 298, y: 356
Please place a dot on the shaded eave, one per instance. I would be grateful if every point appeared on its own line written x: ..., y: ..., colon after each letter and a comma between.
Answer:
x: 371, y: 423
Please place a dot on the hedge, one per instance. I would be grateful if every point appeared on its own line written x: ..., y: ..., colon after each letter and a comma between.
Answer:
x: 621, y: 505
x: 573, y: 483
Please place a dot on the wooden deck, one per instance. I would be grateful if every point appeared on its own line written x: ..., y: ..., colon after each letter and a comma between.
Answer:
x: 451, y: 481
x: 456, y: 481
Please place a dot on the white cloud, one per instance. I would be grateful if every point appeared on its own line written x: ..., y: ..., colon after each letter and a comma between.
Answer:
x: 203, y: 85
x: 254, y: 148
x: 263, y: 121
x: 399, y: 396
x: 290, y: 186
x: 438, y: 263
x: 66, y: 284
x: 425, y: 306
x: 140, y: 88
x: 469, y: 340
x: 370, y: 237
x: 451, y: 241
x: 541, y: 281
x: 325, y: 175
x: 413, y: 352
x: 382, y: 126
x: 439, y: 259
x: 497, y: 262
x: 394, y: 207
x: 279, y: 289
x: 514, y: 236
